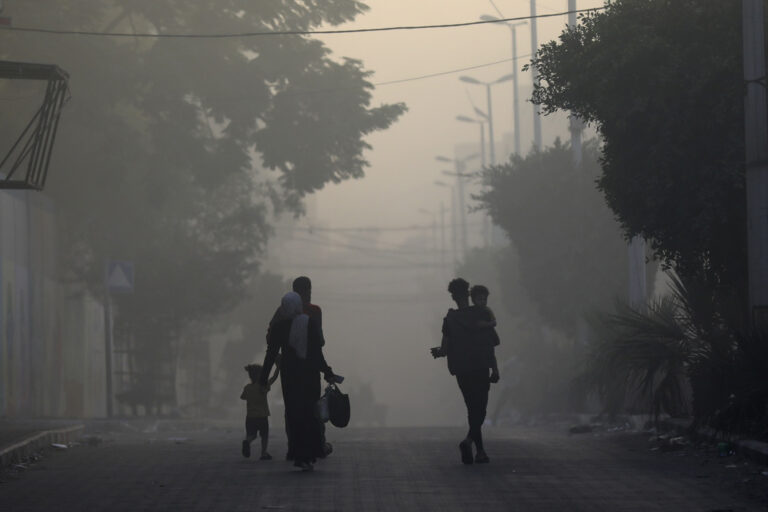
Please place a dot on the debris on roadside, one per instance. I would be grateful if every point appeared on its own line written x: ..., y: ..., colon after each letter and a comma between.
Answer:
x: 91, y: 440
x: 59, y: 446
x: 724, y: 449
x: 580, y: 429
x: 668, y: 443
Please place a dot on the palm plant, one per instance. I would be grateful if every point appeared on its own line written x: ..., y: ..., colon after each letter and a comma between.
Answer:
x: 642, y: 357
x: 649, y: 358
x: 648, y: 355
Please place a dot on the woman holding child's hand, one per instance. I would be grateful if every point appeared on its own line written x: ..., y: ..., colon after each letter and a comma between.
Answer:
x: 295, y: 338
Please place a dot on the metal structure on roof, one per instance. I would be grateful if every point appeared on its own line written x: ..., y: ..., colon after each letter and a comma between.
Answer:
x: 25, y: 166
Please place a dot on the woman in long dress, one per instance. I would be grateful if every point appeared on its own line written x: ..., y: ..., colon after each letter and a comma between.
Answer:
x: 298, y: 339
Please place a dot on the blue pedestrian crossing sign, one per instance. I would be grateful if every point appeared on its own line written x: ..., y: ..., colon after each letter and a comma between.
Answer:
x: 119, y: 276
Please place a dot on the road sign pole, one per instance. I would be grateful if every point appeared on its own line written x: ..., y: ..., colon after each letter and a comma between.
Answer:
x: 108, y: 347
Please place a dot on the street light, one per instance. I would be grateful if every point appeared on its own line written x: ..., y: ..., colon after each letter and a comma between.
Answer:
x: 516, y: 99
x: 442, y: 224
x: 487, y: 223
x: 459, y: 165
x: 466, y: 119
x: 489, y: 114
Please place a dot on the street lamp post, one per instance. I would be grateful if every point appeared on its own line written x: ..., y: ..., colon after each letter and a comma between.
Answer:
x: 515, y: 91
x: 535, y: 76
x: 489, y: 113
x: 442, y: 224
x: 481, y: 123
x: 487, y: 224
x: 459, y: 165
x: 576, y: 125
x: 434, y: 227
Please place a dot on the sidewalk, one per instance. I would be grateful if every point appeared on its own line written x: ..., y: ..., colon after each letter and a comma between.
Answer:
x: 20, y: 439
x: 756, y: 451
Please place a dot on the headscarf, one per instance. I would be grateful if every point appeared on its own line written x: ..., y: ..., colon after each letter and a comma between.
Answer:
x: 292, y: 307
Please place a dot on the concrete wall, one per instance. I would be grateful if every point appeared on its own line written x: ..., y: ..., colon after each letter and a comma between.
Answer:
x: 51, y: 341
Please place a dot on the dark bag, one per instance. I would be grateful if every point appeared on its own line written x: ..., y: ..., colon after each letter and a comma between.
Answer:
x: 338, y: 406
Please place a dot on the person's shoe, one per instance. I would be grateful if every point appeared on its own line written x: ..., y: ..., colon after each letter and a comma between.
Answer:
x: 265, y: 456
x: 289, y: 456
x: 304, y: 466
x: 246, y: 448
x: 465, y: 447
x: 327, y: 449
x: 482, y: 458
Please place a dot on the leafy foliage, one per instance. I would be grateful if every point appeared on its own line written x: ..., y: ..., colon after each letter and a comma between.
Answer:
x: 172, y: 153
x: 537, y: 364
x: 672, y: 128
x: 667, y: 359
x: 642, y: 352
x: 572, y: 257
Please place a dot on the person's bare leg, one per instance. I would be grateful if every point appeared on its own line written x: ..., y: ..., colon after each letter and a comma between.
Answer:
x: 264, y: 442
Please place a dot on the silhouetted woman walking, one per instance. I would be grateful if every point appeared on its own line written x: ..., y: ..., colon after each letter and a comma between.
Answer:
x: 295, y: 336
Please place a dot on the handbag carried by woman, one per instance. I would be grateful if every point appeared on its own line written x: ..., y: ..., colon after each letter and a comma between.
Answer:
x: 334, y: 406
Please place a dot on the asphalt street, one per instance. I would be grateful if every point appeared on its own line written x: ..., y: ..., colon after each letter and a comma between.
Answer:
x: 392, y: 469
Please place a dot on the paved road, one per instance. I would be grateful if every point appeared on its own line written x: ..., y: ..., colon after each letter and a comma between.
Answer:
x: 380, y: 470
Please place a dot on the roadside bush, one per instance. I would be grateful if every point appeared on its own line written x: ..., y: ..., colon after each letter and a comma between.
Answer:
x: 681, y: 354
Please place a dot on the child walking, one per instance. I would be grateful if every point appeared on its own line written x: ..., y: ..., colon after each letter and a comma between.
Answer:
x: 257, y: 415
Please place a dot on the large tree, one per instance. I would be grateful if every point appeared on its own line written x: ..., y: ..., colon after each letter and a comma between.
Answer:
x: 571, y: 257
x: 662, y: 82
x: 172, y: 152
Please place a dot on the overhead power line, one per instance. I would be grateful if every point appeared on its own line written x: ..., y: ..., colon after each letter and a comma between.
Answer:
x: 340, y: 89
x: 413, y: 227
x: 285, y: 32
x: 449, y: 72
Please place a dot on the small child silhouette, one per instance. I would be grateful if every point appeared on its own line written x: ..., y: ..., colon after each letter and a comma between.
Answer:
x: 479, y: 295
x: 486, y: 320
x: 257, y: 415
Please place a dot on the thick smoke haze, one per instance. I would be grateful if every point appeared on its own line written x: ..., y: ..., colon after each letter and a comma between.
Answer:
x: 383, y: 291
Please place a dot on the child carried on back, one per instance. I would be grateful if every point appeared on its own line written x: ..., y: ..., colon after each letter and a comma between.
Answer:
x: 486, y: 322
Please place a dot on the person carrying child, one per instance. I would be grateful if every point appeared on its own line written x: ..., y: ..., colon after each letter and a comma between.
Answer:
x: 468, y: 344
x: 257, y: 415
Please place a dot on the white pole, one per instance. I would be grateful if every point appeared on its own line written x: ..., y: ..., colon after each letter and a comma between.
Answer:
x: 756, y: 142
x: 576, y: 125
x: 516, y: 94
x: 535, y: 76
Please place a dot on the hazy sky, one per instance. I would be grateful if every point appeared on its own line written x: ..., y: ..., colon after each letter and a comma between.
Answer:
x: 403, y: 167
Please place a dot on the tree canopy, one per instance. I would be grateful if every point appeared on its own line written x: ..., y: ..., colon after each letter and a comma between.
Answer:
x: 173, y: 153
x: 572, y: 259
x: 662, y: 82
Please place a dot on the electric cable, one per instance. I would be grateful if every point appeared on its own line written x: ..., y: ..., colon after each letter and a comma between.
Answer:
x: 288, y: 32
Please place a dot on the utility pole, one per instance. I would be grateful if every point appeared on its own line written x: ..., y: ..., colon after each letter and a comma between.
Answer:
x: 576, y: 125
x: 491, y: 139
x: 515, y: 93
x: 463, y: 212
x: 108, y: 344
x: 442, y: 239
x: 535, y: 76
x: 756, y: 143
x: 515, y: 96
x: 454, y: 238
x: 459, y: 167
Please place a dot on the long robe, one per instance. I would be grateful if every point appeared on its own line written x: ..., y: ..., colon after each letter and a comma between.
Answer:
x: 300, y: 379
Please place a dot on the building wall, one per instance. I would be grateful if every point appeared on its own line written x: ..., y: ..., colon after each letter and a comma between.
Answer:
x: 51, y: 341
